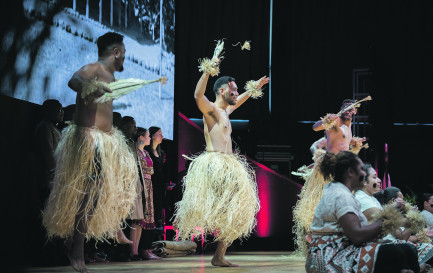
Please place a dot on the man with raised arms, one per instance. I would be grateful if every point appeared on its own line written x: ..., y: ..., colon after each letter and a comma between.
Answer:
x: 220, y: 194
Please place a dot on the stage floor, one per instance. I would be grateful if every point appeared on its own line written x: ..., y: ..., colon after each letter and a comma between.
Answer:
x: 268, y: 262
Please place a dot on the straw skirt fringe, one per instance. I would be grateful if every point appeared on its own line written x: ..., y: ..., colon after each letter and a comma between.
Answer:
x: 95, y: 177
x: 309, y: 198
x: 220, y: 198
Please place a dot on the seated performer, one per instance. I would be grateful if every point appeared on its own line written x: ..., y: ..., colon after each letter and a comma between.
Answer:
x: 427, y: 212
x: 341, y: 237
x: 220, y: 191
x: 369, y: 204
x: 338, y: 138
x: 94, y: 183
x: 413, y: 231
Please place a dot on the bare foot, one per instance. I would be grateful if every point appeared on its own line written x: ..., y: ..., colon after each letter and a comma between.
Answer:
x: 423, y: 268
x: 148, y: 255
x: 222, y: 262
x: 121, y: 238
x: 77, y: 261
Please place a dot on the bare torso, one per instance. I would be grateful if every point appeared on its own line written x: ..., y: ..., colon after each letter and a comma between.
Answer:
x: 99, y: 115
x: 217, y: 132
x: 338, y: 139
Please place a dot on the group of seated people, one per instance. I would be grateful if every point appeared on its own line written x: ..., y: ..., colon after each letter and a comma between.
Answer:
x: 358, y: 227
x: 145, y: 223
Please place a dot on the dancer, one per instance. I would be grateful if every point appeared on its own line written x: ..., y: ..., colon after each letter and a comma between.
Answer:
x: 338, y: 137
x: 94, y: 184
x: 339, y: 134
x: 220, y: 192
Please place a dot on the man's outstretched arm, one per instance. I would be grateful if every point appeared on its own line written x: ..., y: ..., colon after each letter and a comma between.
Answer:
x: 246, y: 95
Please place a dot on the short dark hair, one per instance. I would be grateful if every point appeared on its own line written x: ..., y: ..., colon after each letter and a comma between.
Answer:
x: 347, y: 101
x: 387, y: 195
x: 125, y: 120
x: 107, y: 40
x: 51, y: 107
x: 220, y: 82
x: 336, y: 165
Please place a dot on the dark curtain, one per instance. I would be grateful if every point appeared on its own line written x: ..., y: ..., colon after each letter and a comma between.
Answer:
x: 198, y: 25
x: 316, y: 46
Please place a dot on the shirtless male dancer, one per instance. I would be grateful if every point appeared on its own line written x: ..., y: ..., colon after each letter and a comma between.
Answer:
x: 94, y: 184
x: 220, y: 192
x: 337, y: 138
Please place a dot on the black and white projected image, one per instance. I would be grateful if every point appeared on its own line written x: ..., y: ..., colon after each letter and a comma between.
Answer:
x: 71, y: 43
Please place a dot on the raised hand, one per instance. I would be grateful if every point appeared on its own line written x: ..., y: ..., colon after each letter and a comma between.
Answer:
x: 262, y: 81
x: 216, y: 60
x: 163, y: 80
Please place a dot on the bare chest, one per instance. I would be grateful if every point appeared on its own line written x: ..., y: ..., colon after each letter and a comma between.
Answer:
x: 342, y: 135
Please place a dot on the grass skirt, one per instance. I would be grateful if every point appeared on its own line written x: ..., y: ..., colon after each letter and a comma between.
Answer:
x: 220, y: 198
x: 98, y: 166
x: 309, y: 198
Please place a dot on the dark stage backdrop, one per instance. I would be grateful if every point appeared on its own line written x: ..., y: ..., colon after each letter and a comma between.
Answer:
x: 316, y: 46
x: 198, y: 25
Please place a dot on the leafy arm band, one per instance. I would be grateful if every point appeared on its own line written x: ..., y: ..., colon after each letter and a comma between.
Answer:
x: 211, y: 67
x: 251, y: 87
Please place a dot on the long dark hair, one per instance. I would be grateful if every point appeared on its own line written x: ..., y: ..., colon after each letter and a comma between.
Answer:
x: 152, y: 131
x: 336, y: 165
x: 140, y: 132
